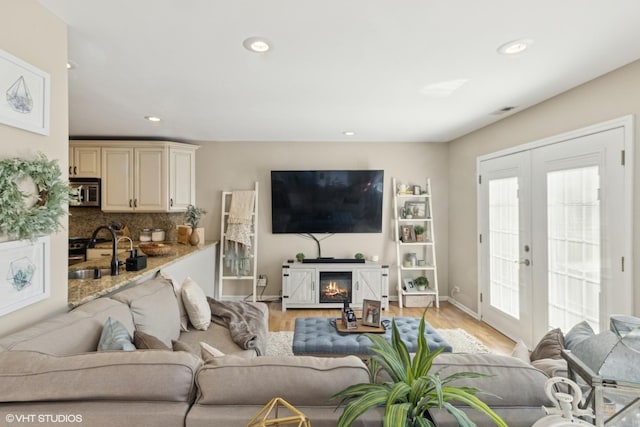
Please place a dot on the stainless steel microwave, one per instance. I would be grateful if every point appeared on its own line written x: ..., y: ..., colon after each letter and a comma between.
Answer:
x: 88, y: 191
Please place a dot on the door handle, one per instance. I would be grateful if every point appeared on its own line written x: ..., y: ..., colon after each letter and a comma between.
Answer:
x: 75, y: 170
x: 525, y: 262
x: 130, y: 203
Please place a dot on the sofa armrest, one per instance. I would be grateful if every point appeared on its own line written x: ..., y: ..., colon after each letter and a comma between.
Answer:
x: 152, y: 375
x: 300, y: 380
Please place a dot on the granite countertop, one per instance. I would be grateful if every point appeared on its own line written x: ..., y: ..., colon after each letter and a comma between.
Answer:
x: 82, y: 291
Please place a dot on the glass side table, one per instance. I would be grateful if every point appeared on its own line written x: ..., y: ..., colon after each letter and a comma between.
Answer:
x: 615, y: 403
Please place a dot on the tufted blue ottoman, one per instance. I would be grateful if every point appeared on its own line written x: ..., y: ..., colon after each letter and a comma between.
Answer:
x: 318, y: 336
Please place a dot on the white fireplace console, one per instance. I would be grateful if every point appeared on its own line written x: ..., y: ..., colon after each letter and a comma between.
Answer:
x: 325, y: 285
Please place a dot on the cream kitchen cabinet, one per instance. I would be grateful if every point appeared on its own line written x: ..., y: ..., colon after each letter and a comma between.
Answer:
x: 182, y: 178
x: 84, y: 161
x: 147, y: 176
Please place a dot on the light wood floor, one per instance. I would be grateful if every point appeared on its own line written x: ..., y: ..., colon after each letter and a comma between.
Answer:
x: 446, y: 317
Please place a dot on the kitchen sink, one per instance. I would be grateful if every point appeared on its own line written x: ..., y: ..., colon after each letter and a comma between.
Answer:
x: 89, y: 273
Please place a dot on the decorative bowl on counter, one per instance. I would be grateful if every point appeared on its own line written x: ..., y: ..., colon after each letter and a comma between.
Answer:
x: 155, y: 248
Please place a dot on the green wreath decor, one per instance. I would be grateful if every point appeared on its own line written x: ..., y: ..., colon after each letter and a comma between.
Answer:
x: 25, y: 222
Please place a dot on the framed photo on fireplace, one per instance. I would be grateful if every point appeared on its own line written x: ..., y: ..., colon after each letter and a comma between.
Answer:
x: 371, y: 312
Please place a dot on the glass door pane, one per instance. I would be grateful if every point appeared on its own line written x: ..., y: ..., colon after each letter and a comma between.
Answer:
x: 573, y: 222
x: 504, y: 236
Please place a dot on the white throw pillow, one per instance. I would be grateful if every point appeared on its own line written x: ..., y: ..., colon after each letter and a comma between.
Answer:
x: 177, y: 289
x: 520, y: 351
x: 195, y: 302
x: 209, y: 352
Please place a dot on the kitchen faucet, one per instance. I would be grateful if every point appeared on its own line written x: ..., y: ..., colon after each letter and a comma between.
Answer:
x: 114, y: 254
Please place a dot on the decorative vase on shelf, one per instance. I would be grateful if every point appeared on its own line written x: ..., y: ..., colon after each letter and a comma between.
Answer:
x: 194, y: 239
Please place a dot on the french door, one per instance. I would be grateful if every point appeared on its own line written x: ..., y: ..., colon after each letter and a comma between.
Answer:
x: 554, y: 234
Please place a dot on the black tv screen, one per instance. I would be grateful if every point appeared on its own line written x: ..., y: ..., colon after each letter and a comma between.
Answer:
x: 326, y: 201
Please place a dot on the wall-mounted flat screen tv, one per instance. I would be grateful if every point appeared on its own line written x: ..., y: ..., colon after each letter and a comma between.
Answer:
x: 326, y: 201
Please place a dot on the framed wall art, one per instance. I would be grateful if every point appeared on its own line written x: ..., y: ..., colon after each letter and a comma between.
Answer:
x: 24, y: 273
x: 24, y: 95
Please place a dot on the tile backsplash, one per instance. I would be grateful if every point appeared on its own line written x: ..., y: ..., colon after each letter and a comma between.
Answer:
x: 82, y: 222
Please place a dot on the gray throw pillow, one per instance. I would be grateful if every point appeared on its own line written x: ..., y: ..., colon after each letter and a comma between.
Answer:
x: 549, y: 347
x: 146, y: 341
x: 577, y: 334
x: 115, y: 337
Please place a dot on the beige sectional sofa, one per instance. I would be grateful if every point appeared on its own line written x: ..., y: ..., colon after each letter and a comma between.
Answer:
x: 51, y: 373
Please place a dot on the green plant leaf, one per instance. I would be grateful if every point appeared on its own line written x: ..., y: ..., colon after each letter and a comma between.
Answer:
x: 398, y: 393
x: 461, y: 417
x: 372, y: 399
x: 401, y: 352
x: 387, y: 357
x: 474, y: 402
x: 398, y: 415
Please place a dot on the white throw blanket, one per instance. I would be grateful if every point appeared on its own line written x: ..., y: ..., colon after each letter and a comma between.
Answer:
x: 241, y: 208
x: 238, y: 236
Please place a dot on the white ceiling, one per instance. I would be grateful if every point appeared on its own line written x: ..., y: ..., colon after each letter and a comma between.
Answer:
x: 334, y: 66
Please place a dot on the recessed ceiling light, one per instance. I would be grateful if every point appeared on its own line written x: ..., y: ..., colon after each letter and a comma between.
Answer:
x: 152, y: 118
x: 348, y: 133
x: 515, y: 46
x: 256, y: 44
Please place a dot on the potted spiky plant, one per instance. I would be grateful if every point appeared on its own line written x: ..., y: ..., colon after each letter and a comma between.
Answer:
x: 412, y: 390
x: 192, y: 217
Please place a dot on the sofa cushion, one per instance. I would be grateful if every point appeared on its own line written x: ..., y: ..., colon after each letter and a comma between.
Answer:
x: 115, y: 337
x: 218, y: 336
x: 144, y: 341
x: 177, y: 345
x: 154, y: 307
x: 300, y: 380
x: 550, y: 346
x: 99, y: 414
x: 506, y: 381
x: 70, y: 333
x: 121, y: 375
x: 177, y: 290
x: 196, y: 305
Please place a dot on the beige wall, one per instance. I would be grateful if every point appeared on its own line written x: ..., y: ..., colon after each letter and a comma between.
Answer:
x: 236, y: 165
x: 34, y: 35
x: 611, y: 96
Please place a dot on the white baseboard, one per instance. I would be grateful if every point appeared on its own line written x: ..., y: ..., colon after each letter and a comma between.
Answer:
x: 464, y: 308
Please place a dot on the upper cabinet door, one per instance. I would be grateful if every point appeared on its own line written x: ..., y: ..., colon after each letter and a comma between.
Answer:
x: 84, y: 162
x: 117, y: 179
x: 182, y: 182
x: 150, y: 173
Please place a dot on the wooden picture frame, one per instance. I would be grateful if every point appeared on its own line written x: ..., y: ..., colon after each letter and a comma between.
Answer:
x: 371, y: 310
x: 24, y: 273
